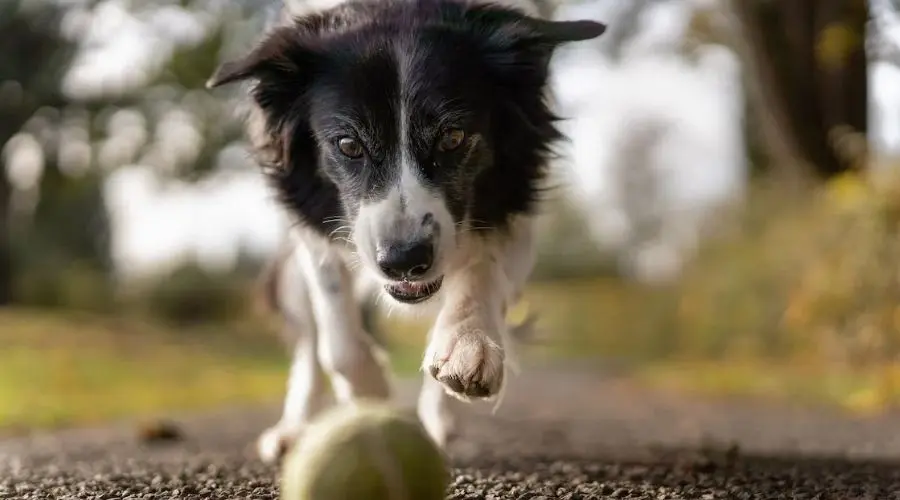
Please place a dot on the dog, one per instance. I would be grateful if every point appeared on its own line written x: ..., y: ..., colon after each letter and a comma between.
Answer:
x: 408, y: 141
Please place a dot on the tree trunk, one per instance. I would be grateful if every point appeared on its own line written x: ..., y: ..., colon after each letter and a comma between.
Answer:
x: 6, y: 265
x: 809, y: 60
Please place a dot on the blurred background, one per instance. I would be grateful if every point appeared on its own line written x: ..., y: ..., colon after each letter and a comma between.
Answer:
x: 726, y: 217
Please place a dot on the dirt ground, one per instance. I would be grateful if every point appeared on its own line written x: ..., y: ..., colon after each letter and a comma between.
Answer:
x: 561, y: 434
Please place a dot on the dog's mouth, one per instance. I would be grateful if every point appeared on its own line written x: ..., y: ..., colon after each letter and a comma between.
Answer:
x: 413, y: 292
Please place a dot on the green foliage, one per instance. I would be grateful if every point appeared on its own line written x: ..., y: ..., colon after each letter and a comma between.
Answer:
x: 71, y: 219
x: 190, y: 295
x: 814, y: 277
x: 565, y: 248
x: 69, y: 227
x: 809, y: 280
x: 191, y: 65
x: 61, y: 254
x: 35, y: 57
x: 65, y: 238
x: 70, y: 285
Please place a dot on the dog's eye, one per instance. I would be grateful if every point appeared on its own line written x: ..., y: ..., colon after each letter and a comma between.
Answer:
x: 451, y: 139
x: 350, y: 147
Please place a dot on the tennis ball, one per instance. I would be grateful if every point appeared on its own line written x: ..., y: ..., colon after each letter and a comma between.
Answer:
x: 369, y: 451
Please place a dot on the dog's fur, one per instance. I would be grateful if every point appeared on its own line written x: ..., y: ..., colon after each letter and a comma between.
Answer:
x: 408, y: 139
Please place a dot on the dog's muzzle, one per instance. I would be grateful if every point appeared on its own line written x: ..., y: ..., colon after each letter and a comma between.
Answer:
x: 408, y: 264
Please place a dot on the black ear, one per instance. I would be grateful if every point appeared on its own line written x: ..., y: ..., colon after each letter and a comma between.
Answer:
x: 516, y: 41
x: 281, y: 53
x: 230, y: 71
x: 557, y: 32
x: 514, y: 30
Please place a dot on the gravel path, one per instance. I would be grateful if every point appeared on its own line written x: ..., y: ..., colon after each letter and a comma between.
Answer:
x: 560, y: 435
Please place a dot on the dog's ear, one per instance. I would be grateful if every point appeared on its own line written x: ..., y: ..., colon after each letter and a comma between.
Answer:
x: 512, y: 39
x: 558, y: 32
x: 281, y: 54
x: 281, y: 66
x: 232, y: 71
x: 515, y: 26
x: 516, y: 45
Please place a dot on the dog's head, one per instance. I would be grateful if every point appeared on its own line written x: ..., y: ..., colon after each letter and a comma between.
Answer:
x: 406, y: 124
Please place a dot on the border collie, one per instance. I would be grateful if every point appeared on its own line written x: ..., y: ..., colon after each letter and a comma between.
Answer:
x: 408, y: 141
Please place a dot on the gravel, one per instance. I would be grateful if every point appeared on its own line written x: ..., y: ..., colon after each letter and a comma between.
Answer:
x: 561, y: 434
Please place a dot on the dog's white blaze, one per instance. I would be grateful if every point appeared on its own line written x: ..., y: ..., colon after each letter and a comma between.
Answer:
x: 420, y: 200
x: 400, y: 215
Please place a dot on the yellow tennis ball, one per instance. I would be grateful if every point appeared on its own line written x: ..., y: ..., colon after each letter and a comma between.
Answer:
x: 370, y: 451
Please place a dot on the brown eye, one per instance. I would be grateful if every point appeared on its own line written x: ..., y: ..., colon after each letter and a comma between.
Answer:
x: 351, y: 148
x: 452, y: 139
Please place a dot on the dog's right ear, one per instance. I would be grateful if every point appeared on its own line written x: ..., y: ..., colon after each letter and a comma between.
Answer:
x: 280, y: 54
x: 231, y: 71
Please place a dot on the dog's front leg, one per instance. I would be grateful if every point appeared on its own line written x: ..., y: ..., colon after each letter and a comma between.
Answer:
x: 345, y: 351
x: 306, y: 395
x: 435, y: 410
x: 466, y: 353
x: 307, y: 389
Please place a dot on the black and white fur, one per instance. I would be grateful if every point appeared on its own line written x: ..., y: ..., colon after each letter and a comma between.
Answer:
x: 408, y: 140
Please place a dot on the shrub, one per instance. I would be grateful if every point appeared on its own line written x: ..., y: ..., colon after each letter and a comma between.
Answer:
x: 565, y: 248
x: 76, y: 286
x: 814, y: 276
x: 190, y: 295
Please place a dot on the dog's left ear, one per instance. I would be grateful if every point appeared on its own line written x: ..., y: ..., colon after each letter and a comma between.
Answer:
x: 512, y: 38
x: 559, y: 32
x: 516, y: 45
x: 522, y: 30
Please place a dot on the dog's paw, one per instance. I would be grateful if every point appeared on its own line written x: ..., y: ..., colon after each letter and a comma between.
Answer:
x: 276, y: 441
x: 466, y: 361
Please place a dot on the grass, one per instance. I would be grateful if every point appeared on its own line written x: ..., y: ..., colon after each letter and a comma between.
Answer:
x: 607, y: 320
x: 58, y: 370
x: 859, y: 392
x: 67, y: 369
x: 70, y: 369
x: 577, y: 318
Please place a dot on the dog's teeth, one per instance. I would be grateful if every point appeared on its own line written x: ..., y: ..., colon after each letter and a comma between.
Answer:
x: 409, y: 287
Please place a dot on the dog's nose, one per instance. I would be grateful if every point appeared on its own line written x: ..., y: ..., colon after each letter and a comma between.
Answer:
x: 405, y: 260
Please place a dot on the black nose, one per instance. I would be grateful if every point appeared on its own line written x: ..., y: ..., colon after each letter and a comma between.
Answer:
x: 405, y: 260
